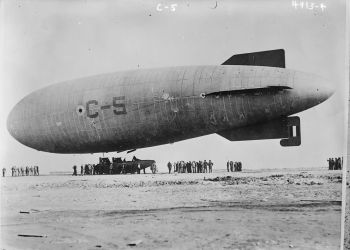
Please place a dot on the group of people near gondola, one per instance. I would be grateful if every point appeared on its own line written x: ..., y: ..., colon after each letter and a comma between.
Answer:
x: 234, y: 166
x: 87, y: 169
x: 22, y: 171
x: 191, y: 166
x: 335, y: 163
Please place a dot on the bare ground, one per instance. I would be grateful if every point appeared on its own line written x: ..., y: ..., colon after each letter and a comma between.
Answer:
x: 259, y: 210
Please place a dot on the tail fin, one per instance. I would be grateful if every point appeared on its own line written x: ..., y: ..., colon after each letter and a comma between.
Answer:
x: 271, y: 58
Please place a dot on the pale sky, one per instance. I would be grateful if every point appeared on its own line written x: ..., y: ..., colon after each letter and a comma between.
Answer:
x: 44, y: 42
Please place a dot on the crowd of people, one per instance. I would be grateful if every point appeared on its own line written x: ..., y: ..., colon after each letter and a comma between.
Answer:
x: 87, y: 169
x: 335, y: 163
x: 234, y: 166
x: 177, y: 167
x: 22, y: 171
x: 191, y: 167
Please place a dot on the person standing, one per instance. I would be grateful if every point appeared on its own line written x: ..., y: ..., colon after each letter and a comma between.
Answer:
x: 338, y: 163
x: 210, y: 166
x: 329, y: 163
x: 231, y: 166
x: 82, y: 170
x: 175, y: 166
x: 193, y: 164
x: 228, y: 166
x: 199, y: 167
x: 205, y: 164
x: 169, y: 167
x: 91, y: 169
x: 86, y: 169
x: 75, y: 170
x: 3, y: 172
x: 188, y: 166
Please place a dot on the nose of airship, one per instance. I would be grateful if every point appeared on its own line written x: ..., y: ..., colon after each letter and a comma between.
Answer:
x: 22, y: 123
x: 311, y: 90
x: 324, y: 91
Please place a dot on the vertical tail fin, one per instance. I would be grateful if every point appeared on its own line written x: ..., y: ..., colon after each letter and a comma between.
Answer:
x: 271, y: 58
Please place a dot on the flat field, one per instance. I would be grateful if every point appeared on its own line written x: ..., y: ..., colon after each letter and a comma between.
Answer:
x: 272, y: 209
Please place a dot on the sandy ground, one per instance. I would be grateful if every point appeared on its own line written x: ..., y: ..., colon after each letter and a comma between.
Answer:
x: 256, y: 210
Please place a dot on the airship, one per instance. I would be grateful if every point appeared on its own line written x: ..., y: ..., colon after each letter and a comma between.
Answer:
x: 250, y: 96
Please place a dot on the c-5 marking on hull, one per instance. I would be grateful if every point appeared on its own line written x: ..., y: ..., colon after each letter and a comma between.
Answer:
x: 118, y: 104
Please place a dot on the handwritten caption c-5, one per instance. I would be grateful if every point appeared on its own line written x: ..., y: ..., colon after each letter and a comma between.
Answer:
x: 164, y: 7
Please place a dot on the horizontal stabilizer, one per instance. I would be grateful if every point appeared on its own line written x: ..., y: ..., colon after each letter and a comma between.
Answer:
x: 270, y: 58
x: 287, y: 129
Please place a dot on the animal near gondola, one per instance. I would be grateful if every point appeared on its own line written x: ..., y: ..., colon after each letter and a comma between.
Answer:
x: 118, y: 166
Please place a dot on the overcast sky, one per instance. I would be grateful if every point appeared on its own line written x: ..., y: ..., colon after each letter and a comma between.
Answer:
x: 43, y: 42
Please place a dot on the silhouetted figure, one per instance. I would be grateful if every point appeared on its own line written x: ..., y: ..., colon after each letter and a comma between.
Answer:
x: 193, y: 165
x: 86, y: 171
x: 169, y: 167
x: 75, y: 170
x: 210, y: 166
